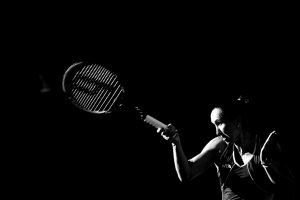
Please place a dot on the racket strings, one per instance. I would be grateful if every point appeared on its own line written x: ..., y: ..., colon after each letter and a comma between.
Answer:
x: 95, y: 88
x: 82, y: 81
x: 113, y: 98
x: 86, y: 100
x: 103, y: 95
x: 102, y: 77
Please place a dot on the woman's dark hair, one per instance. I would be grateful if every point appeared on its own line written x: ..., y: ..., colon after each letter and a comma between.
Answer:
x: 239, y: 107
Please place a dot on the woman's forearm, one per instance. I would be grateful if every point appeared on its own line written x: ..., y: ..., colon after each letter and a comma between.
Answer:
x: 181, y: 163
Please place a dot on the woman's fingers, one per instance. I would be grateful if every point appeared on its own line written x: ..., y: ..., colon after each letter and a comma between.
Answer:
x: 169, y: 132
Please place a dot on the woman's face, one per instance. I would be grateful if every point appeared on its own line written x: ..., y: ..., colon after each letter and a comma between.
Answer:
x: 228, y: 130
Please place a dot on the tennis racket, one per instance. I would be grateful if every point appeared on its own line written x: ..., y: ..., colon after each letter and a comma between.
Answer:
x: 95, y: 89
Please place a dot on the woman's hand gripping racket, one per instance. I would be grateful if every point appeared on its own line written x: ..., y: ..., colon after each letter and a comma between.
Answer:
x: 95, y: 89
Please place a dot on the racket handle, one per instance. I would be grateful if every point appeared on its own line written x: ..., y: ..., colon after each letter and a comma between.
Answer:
x: 154, y: 122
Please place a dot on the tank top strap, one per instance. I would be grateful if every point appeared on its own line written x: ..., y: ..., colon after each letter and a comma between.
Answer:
x: 256, y: 170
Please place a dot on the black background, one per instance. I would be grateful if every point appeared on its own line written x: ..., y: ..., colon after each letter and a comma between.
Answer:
x: 174, y: 64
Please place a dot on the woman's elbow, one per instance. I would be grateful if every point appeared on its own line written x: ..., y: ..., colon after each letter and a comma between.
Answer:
x: 185, y: 178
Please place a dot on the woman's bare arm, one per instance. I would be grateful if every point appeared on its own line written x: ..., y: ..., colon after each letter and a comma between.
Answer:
x: 187, y: 169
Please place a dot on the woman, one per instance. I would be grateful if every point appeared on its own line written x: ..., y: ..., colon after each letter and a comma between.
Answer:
x: 249, y: 165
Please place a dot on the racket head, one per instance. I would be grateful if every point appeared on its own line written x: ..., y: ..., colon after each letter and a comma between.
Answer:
x: 92, y: 87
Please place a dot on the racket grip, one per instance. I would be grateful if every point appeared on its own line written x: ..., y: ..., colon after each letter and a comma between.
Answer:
x: 154, y: 122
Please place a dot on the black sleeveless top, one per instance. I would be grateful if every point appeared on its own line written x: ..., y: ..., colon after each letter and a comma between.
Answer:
x: 239, y: 181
